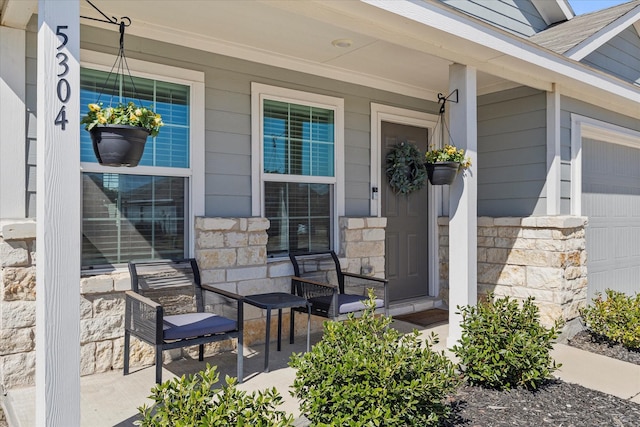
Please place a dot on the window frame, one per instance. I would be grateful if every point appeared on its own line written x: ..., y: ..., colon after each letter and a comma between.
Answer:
x: 260, y: 92
x: 195, y: 173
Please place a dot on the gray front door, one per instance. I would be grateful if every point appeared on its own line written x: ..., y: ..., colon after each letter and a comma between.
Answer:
x: 406, y: 234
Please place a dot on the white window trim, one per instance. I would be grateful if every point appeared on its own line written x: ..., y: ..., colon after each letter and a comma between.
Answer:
x: 260, y: 92
x: 385, y: 113
x: 195, y: 81
x: 587, y: 127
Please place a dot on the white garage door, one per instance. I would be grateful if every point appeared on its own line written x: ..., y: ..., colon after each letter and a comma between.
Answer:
x: 611, y: 200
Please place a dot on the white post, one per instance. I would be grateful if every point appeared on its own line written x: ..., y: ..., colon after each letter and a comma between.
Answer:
x: 463, y: 201
x: 58, y: 215
x: 12, y: 123
x: 553, y: 152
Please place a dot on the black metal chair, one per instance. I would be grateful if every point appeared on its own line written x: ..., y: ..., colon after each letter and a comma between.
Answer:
x: 333, y: 293
x: 165, y: 308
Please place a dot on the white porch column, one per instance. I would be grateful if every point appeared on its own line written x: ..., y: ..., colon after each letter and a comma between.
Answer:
x: 463, y: 202
x: 58, y: 212
x: 12, y: 123
x: 553, y: 152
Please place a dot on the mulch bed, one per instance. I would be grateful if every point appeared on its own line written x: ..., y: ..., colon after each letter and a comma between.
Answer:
x: 556, y: 403
x: 588, y: 342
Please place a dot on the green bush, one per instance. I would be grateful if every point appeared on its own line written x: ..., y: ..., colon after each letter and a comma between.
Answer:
x: 192, y: 401
x: 504, y: 346
x: 365, y: 373
x: 616, y: 318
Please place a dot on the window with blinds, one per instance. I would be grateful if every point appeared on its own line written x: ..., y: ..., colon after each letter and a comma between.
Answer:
x: 300, y: 216
x: 298, y: 139
x: 298, y: 156
x: 128, y: 216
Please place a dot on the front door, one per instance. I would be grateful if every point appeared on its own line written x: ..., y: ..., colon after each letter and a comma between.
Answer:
x: 406, y: 242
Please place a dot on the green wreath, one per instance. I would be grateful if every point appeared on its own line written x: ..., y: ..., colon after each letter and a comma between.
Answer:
x: 405, y: 168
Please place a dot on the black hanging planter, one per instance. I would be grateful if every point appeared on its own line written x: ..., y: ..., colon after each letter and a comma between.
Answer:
x: 442, y: 173
x: 118, y: 145
x: 120, y: 132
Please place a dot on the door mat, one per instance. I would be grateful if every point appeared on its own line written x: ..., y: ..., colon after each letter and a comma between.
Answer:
x: 425, y: 318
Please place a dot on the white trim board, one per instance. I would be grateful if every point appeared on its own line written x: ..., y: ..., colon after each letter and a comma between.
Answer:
x: 587, y: 127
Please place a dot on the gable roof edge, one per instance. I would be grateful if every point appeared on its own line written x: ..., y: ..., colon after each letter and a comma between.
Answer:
x: 605, y: 34
x: 553, y: 11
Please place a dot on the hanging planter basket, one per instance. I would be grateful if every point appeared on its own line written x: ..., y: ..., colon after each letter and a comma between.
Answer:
x: 442, y: 173
x: 118, y: 145
x: 119, y: 132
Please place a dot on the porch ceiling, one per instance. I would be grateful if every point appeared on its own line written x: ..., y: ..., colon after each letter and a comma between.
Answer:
x: 402, y: 47
x: 289, y: 34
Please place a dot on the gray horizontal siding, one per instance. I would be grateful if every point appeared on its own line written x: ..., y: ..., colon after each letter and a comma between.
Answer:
x: 516, y: 16
x: 511, y: 167
x: 228, y: 118
x: 620, y: 56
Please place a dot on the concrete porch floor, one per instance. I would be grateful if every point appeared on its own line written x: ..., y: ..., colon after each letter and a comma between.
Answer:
x: 111, y: 399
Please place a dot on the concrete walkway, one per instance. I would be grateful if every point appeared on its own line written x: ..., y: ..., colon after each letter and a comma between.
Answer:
x: 111, y: 399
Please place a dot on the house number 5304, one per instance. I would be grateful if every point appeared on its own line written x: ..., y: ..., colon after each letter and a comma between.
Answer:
x: 63, y: 88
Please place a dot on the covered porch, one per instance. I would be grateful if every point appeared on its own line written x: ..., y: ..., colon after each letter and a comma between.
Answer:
x: 392, y: 53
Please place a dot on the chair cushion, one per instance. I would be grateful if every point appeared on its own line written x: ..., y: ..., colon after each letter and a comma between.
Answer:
x: 347, y: 303
x: 191, y: 325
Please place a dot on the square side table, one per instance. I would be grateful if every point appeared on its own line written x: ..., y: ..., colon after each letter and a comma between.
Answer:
x: 279, y: 300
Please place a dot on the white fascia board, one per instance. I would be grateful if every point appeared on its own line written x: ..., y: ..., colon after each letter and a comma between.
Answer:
x: 514, y: 55
x: 17, y: 13
x: 553, y: 11
x: 599, y: 38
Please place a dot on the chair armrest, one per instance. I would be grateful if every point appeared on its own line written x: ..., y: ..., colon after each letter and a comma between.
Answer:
x: 142, y: 299
x: 363, y: 277
x: 310, y: 288
x: 314, y: 283
x: 143, y: 318
x: 222, y: 292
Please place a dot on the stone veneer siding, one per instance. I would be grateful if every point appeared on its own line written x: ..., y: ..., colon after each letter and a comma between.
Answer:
x: 231, y: 253
x: 542, y: 257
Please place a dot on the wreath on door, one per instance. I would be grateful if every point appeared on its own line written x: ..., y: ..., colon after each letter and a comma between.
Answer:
x: 406, y: 170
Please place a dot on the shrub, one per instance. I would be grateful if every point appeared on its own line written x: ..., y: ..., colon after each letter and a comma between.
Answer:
x: 192, y: 401
x: 616, y: 318
x: 364, y: 372
x: 503, y: 345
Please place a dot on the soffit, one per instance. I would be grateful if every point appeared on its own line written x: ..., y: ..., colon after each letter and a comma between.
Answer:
x: 16, y: 13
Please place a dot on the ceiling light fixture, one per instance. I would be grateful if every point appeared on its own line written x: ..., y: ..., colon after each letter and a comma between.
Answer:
x: 342, y: 42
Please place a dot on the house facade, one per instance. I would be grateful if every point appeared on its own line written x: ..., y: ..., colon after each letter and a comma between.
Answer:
x: 278, y: 119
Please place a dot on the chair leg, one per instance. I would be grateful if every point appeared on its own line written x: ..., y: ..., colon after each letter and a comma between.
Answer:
x: 291, y: 326
x: 158, y: 364
x: 201, y: 352
x: 127, y: 341
x: 240, y: 361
